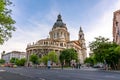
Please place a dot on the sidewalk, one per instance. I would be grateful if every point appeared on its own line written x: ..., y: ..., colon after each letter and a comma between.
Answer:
x: 89, y: 68
x: 82, y: 68
x: 118, y: 71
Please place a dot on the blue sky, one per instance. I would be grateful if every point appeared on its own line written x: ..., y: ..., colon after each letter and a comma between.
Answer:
x: 35, y: 18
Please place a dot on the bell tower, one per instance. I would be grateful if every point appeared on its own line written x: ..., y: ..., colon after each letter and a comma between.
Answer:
x: 81, y: 40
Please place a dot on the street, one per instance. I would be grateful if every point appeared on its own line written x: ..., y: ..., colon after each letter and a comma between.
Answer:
x: 11, y: 76
x: 58, y: 74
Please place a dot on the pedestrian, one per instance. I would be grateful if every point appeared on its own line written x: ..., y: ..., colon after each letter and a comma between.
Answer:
x: 79, y: 65
x: 62, y: 64
x: 28, y: 64
x: 49, y: 64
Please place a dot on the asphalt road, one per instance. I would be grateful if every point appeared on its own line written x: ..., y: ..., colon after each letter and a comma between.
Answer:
x: 11, y: 76
x: 66, y: 74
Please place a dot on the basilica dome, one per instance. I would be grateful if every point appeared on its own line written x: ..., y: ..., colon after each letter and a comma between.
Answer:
x: 59, y: 23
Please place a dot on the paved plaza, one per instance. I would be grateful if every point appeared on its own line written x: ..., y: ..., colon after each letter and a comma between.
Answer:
x: 59, y: 74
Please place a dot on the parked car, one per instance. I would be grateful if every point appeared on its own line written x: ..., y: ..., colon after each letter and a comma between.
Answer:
x: 8, y: 64
x: 99, y: 65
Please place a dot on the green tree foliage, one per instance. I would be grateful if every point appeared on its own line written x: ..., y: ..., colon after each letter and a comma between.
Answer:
x: 117, y: 49
x: 95, y: 44
x: 90, y: 60
x: 99, y: 47
x: 67, y: 55
x: 6, y: 21
x: 117, y: 53
x: 111, y: 56
x: 21, y: 62
x: 62, y: 57
x: 105, y: 51
x: 34, y: 59
x: 52, y: 56
x: 45, y: 59
x: 2, y: 61
x: 13, y: 60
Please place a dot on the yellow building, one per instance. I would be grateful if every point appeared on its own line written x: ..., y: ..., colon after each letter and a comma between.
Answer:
x: 59, y: 40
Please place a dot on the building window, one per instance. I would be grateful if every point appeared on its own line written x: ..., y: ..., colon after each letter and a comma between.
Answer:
x: 65, y: 35
x: 51, y: 43
x: 65, y: 45
x: 54, y: 35
x: 116, y: 23
x: 57, y: 34
x: 61, y: 44
x: 44, y: 43
x: 61, y: 33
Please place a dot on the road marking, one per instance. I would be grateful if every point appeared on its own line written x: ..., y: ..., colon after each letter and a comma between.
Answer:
x: 41, y: 79
x: 2, y: 70
x: 110, y: 76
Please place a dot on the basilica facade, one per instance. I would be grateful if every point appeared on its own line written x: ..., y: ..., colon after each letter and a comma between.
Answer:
x: 59, y: 39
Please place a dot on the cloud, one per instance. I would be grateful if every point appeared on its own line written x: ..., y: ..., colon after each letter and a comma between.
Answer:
x: 22, y: 37
x: 36, y: 29
x: 52, y: 16
x: 102, y: 26
x: 73, y: 33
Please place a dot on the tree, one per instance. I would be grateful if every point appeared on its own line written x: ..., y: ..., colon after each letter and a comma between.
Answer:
x: 99, y: 48
x: 67, y: 55
x: 110, y: 56
x: 2, y: 61
x: 34, y: 59
x: 6, y: 21
x: 13, y: 60
x: 52, y: 56
x: 98, y: 40
x: 62, y: 58
x: 104, y: 51
x: 45, y: 59
x: 90, y: 60
x: 21, y: 62
x: 117, y: 51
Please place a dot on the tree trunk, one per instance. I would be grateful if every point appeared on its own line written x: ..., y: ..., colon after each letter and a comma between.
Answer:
x: 114, y: 65
x: 118, y: 66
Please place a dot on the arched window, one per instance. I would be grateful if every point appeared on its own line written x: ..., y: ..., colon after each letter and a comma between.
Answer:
x: 46, y: 43
x: 54, y: 35
x: 65, y: 35
x: 57, y: 34
x: 61, y: 44
x: 117, y: 23
x: 61, y: 33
